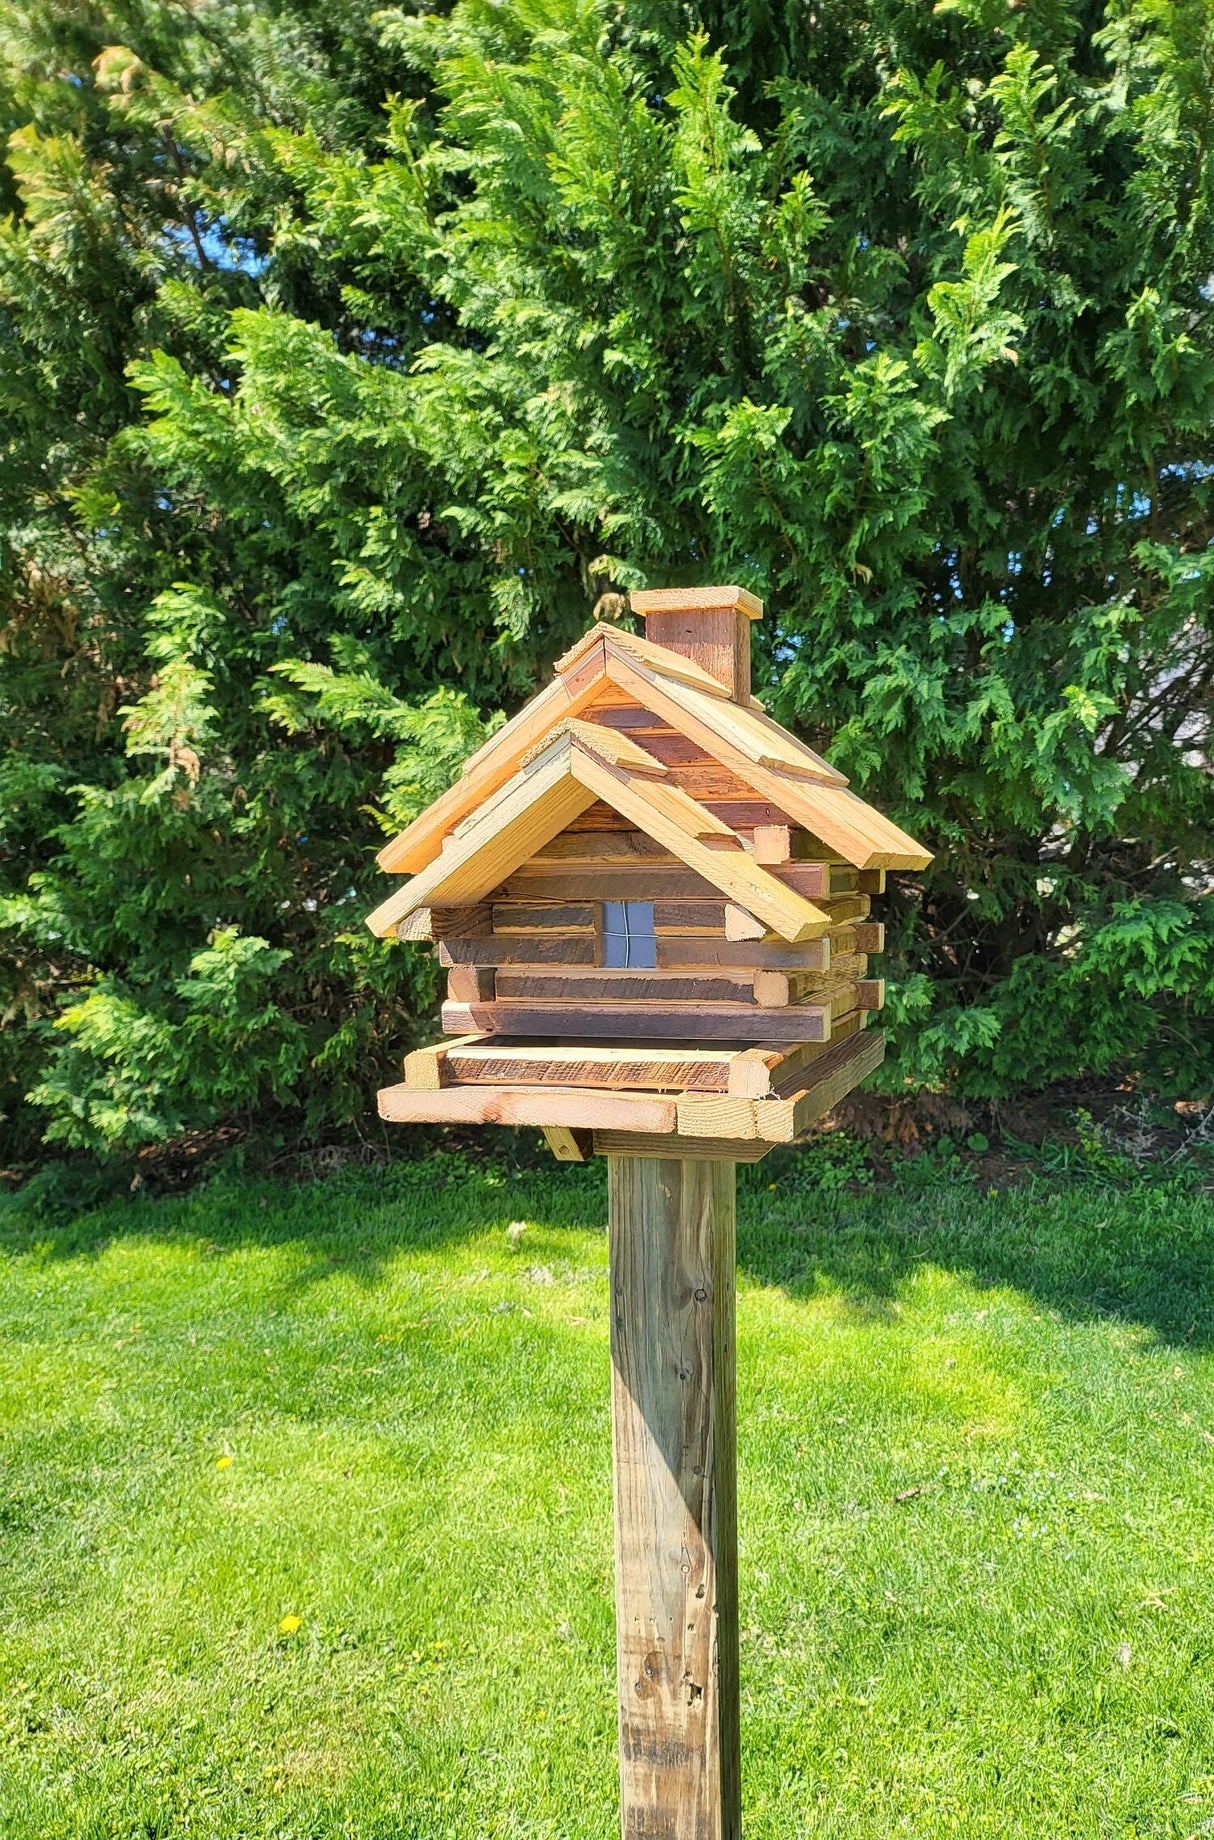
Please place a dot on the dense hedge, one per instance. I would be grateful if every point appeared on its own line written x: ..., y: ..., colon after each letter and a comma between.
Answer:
x: 350, y: 362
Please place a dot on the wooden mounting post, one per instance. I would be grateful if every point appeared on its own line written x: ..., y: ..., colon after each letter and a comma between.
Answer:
x: 671, y: 1225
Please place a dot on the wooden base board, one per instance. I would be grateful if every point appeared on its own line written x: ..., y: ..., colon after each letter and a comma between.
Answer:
x: 697, y: 1118
x: 744, y: 1072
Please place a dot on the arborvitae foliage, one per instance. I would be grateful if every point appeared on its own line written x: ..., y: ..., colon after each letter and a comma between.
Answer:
x: 350, y: 363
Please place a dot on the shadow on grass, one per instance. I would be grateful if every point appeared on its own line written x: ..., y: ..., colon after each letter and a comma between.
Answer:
x: 1146, y: 1255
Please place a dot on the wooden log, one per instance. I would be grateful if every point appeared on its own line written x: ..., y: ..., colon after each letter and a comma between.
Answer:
x: 426, y: 1069
x: 658, y: 1021
x: 672, y: 1255
x: 773, y: 1067
x: 776, y: 989
x: 675, y: 951
x: 633, y: 1143
x: 534, y: 949
x: 445, y: 922
x: 543, y: 917
x: 569, y: 1146
x: 597, y: 847
x: 576, y: 1064
x: 528, y: 1105
x: 572, y: 984
x: 471, y: 983
x: 629, y: 880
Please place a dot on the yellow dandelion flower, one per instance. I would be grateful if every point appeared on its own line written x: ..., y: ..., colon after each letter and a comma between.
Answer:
x: 223, y: 1463
x: 290, y: 1624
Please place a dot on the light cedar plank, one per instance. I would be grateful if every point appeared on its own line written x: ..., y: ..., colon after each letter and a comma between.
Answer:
x: 490, y: 767
x: 687, y: 600
x: 840, y: 910
x: 607, y: 744
x: 657, y: 738
x: 716, y: 1115
x: 527, y: 1105
x: 773, y: 1067
x: 776, y: 989
x: 444, y: 922
x: 625, y: 985
x: 633, y: 1144
x: 842, y: 821
x: 682, y: 670
x: 740, y: 924
x: 658, y: 810
x: 424, y: 1069
x: 569, y: 1146
x: 658, y: 1021
x: 543, y: 917
x: 781, y: 843
x: 615, y: 1068
x: 528, y: 811
x: 746, y: 731
x: 672, y: 1258
x: 790, y: 1075
x: 823, y: 1083
x: 831, y: 1079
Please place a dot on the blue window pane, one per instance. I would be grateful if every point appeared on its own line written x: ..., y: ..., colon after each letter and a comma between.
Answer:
x: 628, y: 935
x: 642, y: 944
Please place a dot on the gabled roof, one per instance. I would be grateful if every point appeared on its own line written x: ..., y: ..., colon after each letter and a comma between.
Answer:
x: 576, y: 764
x: 773, y: 764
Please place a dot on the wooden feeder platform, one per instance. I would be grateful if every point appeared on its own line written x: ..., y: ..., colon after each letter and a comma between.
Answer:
x: 621, y: 1098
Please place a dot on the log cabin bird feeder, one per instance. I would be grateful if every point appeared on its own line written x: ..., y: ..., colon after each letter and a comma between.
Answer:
x: 653, y: 904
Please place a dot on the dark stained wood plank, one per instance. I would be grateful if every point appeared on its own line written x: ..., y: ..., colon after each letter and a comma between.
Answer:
x: 572, y: 985
x: 445, y: 922
x: 577, y: 1064
x: 520, y: 949
x: 544, y: 917
x: 657, y: 1021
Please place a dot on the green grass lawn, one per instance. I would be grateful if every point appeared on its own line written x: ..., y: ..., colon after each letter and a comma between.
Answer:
x: 976, y: 1445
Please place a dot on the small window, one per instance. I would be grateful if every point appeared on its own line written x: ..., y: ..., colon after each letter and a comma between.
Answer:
x: 628, y: 937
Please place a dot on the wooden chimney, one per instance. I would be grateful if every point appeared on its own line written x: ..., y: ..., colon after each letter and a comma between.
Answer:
x: 709, y: 625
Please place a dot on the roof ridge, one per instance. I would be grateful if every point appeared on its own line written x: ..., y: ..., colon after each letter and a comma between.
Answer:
x: 606, y: 744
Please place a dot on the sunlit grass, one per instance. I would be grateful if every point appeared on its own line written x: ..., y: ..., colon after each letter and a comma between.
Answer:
x: 305, y: 1514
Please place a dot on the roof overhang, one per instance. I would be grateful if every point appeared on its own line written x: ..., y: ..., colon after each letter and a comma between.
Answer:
x: 575, y: 765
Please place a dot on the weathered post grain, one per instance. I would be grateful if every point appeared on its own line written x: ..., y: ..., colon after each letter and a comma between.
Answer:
x: 671, y: 1224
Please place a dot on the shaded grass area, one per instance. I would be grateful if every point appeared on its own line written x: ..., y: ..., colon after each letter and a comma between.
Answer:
x: 977, y: 1540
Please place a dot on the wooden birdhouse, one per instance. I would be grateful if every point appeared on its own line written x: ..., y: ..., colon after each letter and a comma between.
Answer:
x: 654, y: 907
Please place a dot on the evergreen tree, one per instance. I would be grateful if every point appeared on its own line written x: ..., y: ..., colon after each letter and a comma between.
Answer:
x: 349, y: 368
